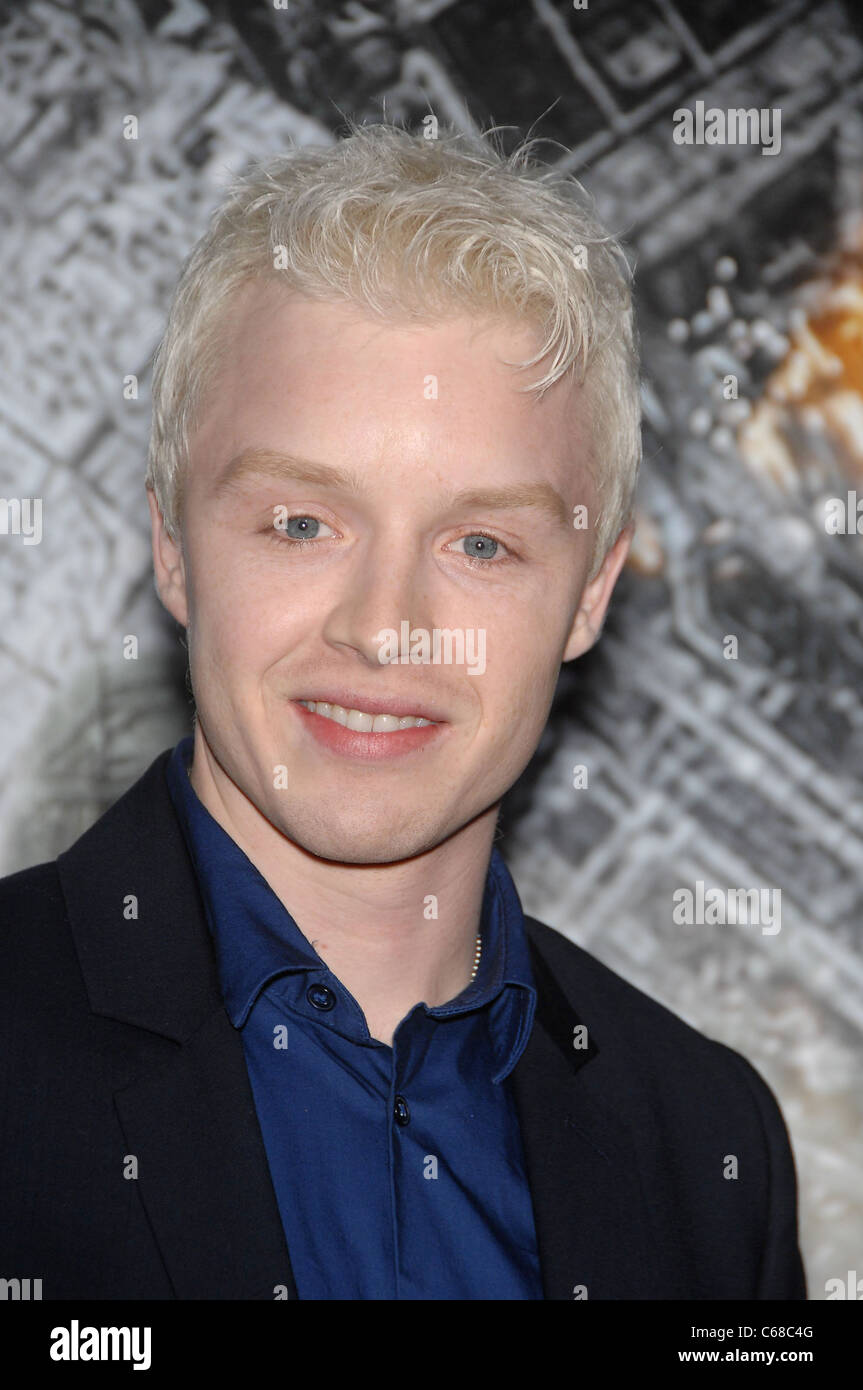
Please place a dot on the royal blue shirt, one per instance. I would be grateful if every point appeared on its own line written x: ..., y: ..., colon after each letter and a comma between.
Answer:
x: 398, y: 1171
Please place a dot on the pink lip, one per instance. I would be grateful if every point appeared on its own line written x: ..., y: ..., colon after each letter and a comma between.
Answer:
x: 369, y: 747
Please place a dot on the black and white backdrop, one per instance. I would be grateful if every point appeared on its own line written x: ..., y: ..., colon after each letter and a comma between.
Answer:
x: 743, y: 771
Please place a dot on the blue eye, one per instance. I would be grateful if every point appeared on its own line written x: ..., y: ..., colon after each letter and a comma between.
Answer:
x: 301, y: 528
x: 480, y: 547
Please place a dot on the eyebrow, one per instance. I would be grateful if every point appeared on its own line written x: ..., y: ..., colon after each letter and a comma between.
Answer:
x: 272, y: 463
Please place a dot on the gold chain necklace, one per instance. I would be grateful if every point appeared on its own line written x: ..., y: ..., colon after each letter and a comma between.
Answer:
x: 476, y: 958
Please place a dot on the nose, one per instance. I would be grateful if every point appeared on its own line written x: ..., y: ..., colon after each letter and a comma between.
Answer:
x: 385, y: 585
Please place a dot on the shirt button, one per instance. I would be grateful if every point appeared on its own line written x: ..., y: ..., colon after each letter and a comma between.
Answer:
x: 401, y: 1112
x: 320, y: 997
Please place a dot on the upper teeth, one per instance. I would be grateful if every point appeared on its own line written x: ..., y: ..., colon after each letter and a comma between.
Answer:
x: 365, y: 723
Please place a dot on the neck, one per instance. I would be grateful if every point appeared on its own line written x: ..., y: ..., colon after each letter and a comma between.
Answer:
x: 372, y: 924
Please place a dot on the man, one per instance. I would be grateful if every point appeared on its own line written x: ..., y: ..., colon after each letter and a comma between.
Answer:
x: 276, y: 1026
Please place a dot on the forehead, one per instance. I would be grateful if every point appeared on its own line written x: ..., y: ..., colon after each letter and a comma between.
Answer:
x: 266, y: 327
x: 329, y: 380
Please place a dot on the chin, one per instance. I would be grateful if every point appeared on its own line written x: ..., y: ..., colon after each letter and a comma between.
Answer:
x: 348, y: 838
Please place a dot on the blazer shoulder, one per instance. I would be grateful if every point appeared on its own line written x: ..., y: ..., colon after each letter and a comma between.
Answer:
x: 36, y: 909
x: 640, y: 1031
x: 38, y: 969
x: 599, y: 990
x: 37, y: 892
x: 30, y: 895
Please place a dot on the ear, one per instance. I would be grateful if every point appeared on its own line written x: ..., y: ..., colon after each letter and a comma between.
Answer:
x: 168, y: 565
x: 595, y: 599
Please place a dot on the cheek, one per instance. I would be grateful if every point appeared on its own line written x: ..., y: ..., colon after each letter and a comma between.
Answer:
x: 240, y: 622
x: 523, y: 663
x: 515, y: 708
x: 532, y: 694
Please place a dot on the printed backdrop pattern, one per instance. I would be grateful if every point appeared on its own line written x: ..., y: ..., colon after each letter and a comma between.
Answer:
x: 734, y: 771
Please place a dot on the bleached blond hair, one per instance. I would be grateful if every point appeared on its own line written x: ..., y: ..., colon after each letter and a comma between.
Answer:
x: 412, y: 228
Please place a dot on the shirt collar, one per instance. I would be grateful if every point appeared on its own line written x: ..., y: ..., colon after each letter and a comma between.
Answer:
x: 270, y: 943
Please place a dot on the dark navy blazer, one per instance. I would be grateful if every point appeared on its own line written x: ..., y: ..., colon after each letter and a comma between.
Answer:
x: 118, y: 1058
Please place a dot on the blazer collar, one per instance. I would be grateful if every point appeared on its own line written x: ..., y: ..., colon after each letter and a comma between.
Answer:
x: 190, y: 1117
x: 137, y: 917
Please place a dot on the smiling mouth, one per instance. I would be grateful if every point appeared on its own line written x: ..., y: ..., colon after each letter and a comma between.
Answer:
x: 362, y: 722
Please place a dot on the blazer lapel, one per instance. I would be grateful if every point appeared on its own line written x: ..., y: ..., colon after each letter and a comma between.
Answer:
x: 187, y: 1110
x: 589, y: 1208
x: 202, y: 1170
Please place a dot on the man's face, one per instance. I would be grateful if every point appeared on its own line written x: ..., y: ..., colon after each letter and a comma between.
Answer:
x: 282, y: 613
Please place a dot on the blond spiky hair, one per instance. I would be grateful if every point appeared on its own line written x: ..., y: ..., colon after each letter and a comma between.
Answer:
x: 407, y: 227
